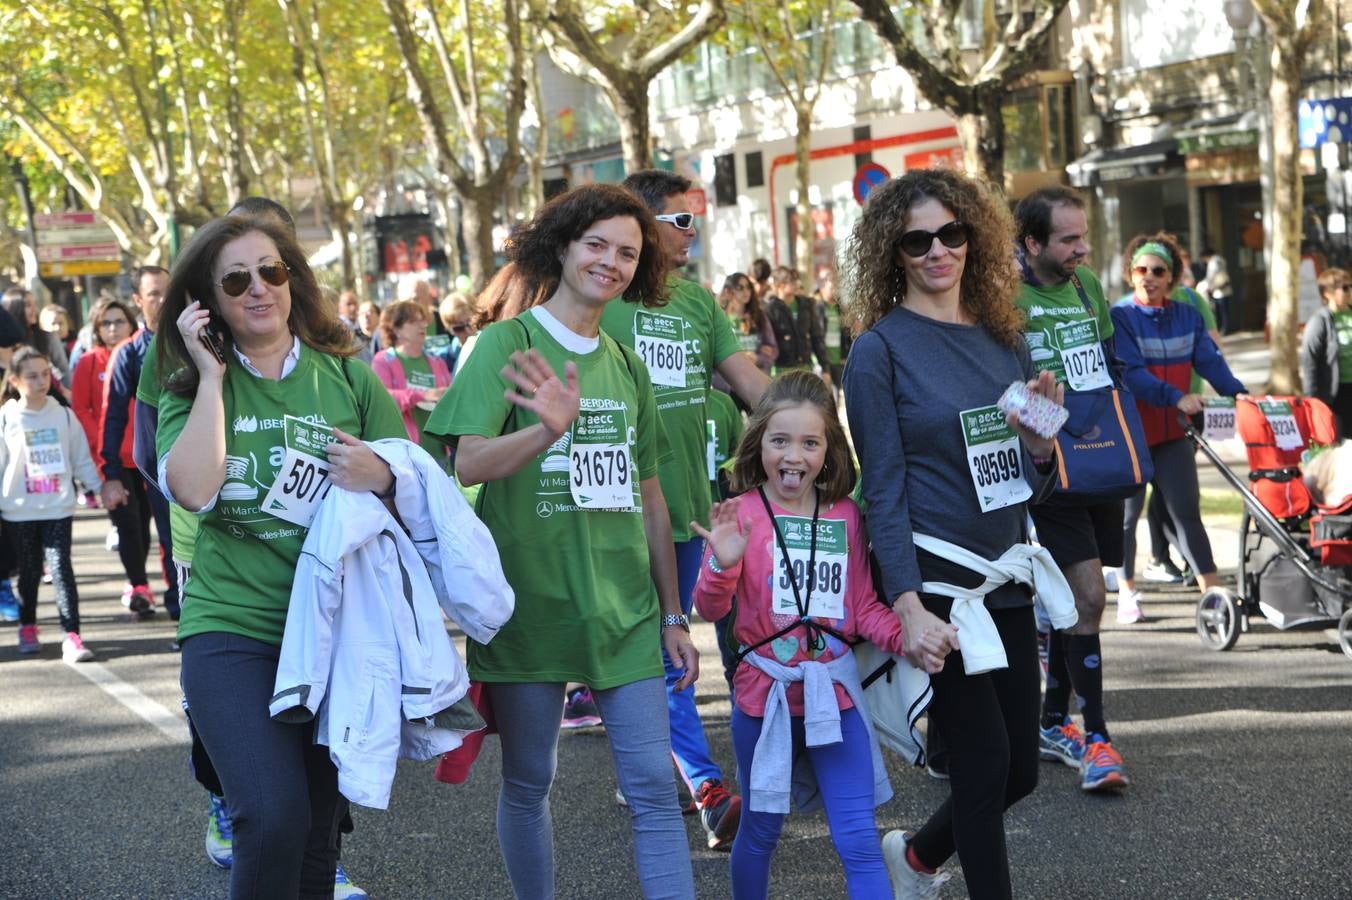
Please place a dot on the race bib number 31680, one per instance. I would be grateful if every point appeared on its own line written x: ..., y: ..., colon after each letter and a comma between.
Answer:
x: 660, y: 341
x: 302, y: 482
x: 994, y: 458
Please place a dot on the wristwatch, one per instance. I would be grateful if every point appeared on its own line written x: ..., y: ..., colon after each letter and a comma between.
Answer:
x: 671, y: 619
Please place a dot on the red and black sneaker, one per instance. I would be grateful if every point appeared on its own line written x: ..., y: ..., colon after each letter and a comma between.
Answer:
x: 719, y: 813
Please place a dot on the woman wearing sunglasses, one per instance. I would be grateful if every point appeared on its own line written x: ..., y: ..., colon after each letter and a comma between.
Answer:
x: 932, y: 279
x: 1162, y: 343
x: 259, y: 363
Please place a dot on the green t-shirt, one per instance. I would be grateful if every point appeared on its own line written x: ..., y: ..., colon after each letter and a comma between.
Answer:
x: 1182, y: 294
x: 680, y: 343
x: 246, y: 559
x: 1342, y: 329
x: 746, y: 340
x: 833, y: 332
x: 1053, y: 312
x: 419, y: 377
x: 725, y: 430
x: 586, y: 609
x: 182, y: 524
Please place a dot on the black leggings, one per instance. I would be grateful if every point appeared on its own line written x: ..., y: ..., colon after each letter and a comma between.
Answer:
x: 1176, y: 482
x: 36, y: 543
x: 990, y: 731
x: 132, y: 520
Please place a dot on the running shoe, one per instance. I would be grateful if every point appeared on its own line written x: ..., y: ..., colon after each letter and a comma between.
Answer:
x: 9, y: 604
x: 111, y: 542
x: 1062, y: 743
x: 579, y: 709
x: 28, y: 639
x: 73, y: 649
x: 907, y: 883
x: 1101, y: 768
x: 344, y: 889
x: 1129, y: 607
x: 1162, y: 571
x: 719, y: 812
x: 220, y: 837
x: 139, y: 599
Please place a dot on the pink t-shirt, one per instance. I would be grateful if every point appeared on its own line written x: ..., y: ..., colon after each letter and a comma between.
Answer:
x: 759, y: 581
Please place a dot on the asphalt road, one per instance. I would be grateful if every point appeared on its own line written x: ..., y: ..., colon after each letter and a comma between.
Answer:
x: 1238, y: 764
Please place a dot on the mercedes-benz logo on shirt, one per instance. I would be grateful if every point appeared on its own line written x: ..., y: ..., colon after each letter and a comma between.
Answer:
x: 544, y: 509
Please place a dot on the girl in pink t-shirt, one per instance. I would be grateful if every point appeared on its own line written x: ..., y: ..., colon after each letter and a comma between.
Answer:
x: 789, y: 557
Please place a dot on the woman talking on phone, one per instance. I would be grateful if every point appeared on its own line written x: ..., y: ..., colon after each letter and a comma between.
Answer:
x: 259, y: 363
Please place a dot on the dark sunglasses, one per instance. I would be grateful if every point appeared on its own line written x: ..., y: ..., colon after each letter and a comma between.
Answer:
x: 237, y: 282
x: 683, y: 221
x: 918, y: 243
x: 1157, y: 271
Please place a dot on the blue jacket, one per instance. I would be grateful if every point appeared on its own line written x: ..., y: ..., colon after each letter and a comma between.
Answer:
x: 124, y: 371
x: 1160, y: 347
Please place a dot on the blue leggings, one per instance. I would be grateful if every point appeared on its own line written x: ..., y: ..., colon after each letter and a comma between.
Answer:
x: 688, y: 744
x: 845, y: 775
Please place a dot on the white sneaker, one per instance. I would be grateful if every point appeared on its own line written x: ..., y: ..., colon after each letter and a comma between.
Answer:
x: 73, y: 649
x: 907, y: 883
x: 1129, y: 607
x: 110, y: 543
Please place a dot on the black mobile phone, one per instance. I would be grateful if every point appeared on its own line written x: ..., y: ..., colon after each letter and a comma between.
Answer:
x: 212, y: 339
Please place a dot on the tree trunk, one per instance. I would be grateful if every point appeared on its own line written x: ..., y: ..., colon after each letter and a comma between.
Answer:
x: 339, y: 225
x: 982, y: 134
x: 802, y: 150
x: 1287, y: 204
x: 631, y: 108
x: 476, y: 219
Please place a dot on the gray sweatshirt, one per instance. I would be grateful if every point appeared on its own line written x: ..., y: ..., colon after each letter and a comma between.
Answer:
x: 903, y: 409
x: 40, y: 451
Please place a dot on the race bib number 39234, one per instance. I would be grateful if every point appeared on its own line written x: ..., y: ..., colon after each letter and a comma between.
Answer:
x: 1283, y: 422
x: 302, y: 481
x: 994, y: 458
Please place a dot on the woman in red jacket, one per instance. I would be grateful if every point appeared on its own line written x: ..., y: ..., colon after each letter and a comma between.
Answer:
x: 113, y: 323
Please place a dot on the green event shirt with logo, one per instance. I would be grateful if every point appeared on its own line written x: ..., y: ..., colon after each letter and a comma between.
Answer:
x: 246, y: 559
x: 708, y: 341
x: 182, y: 524
x: 419, y: 377
x: 834, y: 332
x: 586, y: 609
x: 1048, y: 306
x: 725, y: 431
x: 1342, y: 330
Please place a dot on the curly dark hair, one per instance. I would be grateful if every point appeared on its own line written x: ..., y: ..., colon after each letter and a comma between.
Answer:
x: 537, y: 247
x: 790, y: 388
x: 875, y: 279
x: 1160, y: 237
x: 508, y: 293
x: 313, y: 319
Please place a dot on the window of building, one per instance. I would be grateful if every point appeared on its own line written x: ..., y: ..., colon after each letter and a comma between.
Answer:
x: 725, y: 180
x: 755, y: 169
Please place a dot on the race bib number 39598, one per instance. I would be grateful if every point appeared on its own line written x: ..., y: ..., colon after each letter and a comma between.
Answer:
x: 302, y: 482
x: 994, y: 458
x: 823, y: 570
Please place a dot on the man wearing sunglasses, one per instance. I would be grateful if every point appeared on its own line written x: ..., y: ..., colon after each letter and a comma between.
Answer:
x: 124, y: 371
x: 1064, y: 338
x: 683, y: 342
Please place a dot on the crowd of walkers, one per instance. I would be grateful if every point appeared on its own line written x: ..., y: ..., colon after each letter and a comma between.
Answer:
x: 634, y: 448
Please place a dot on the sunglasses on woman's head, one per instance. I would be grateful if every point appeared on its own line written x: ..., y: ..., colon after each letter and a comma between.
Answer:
x: 1157, y: 271
x: 684, y: 221
x: 918, y: 243
x: 237, y: 282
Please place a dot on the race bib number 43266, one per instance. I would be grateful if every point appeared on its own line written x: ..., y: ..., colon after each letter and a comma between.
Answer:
x: 302, y: 482
x: 994, y: 458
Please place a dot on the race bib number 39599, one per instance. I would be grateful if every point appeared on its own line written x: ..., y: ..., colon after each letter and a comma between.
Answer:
x: 302, y: 482
x: 994, y: 458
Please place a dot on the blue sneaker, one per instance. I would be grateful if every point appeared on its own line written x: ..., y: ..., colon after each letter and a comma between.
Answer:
x: 9, y: 604
x: 344, y: 889
x: 1062, y: 743
x: 1101, y: 768
x: 220, y: 849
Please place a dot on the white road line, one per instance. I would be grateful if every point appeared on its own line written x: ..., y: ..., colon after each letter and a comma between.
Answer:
x: 173, y: 726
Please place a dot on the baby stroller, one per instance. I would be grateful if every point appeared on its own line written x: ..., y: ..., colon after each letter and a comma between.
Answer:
x: 1295, y: 557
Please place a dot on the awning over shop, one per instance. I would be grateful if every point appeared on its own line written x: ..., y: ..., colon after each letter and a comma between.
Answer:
x: 1105, y: 166
x: 1325, y: 121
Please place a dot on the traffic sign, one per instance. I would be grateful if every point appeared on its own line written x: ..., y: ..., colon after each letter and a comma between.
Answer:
x: 63, y: 252
x: 73, y: 268
x: 869, y: 176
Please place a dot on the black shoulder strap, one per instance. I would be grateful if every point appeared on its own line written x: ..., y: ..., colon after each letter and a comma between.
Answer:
x: 1109, y: 343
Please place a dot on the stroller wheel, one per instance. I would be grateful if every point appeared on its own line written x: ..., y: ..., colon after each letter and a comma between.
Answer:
x: 1218, y: 619
x: 1345, y: 631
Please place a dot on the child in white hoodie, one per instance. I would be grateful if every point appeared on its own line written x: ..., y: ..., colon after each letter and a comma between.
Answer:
x: 41, y: 447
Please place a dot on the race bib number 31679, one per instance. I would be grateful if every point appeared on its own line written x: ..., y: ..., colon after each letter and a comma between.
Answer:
x: 994, y: 458
x: 600, y: 467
